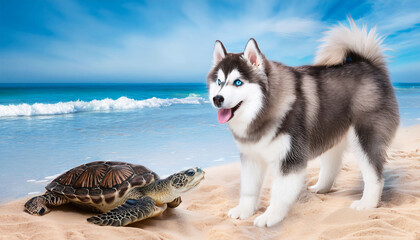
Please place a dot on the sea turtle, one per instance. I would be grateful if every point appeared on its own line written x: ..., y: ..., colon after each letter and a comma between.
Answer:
x: 124, y: 193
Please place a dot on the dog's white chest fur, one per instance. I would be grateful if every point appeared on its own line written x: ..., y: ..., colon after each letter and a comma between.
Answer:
x: 268, y: 148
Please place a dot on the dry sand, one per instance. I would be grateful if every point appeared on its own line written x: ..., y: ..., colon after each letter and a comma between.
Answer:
x: 202, y: 215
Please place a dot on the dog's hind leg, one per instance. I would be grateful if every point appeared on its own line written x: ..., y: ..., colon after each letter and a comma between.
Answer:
x: 370, y: 143
x: 330, y: 166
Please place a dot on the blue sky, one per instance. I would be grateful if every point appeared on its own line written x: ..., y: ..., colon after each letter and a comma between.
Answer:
x: 172, y: 41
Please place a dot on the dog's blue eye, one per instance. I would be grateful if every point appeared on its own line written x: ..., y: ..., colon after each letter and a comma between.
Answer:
x: 237, y: 82
x: 219, y: 82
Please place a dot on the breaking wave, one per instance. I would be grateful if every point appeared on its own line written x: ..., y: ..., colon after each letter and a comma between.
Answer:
x: 107, y: 104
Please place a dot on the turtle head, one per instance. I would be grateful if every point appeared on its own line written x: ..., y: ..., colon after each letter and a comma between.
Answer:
x: 36, y: 206
x: 186, y: 180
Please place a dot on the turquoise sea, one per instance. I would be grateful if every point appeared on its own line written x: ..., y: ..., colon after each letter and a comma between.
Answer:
x: 46, y: 129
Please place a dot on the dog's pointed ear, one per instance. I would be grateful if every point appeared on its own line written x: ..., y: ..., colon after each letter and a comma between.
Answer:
x: 253, y: 54
x: 219, y: 52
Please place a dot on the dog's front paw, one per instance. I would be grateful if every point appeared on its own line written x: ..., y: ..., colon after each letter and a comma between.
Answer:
x: 319, y: 189
x: 241, y: 212
x: 363, y: 204
x: 268, y: 219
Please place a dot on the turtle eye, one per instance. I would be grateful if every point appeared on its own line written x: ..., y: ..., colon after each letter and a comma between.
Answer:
x: 219, y: 82
x: 190, y: 172
x: 237, y: 82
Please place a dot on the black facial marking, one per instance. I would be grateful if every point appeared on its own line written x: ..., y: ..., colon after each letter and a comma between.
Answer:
x: 223, y: 85
x: 235, y: 61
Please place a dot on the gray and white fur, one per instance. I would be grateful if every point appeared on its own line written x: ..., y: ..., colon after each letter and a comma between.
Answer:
x: 283, y: 116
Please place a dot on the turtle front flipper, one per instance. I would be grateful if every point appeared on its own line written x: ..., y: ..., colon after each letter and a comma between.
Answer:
x: 133, y: 210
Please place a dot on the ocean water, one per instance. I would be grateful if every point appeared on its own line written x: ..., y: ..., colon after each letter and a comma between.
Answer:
x: 46, y: 129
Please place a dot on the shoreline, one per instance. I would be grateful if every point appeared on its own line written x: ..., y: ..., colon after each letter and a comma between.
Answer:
x: 203, y: 212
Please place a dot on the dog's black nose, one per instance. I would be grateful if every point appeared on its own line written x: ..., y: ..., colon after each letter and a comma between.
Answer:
x: 218, y: 100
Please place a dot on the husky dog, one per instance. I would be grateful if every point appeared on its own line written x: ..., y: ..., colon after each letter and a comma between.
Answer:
x: 283, y: 116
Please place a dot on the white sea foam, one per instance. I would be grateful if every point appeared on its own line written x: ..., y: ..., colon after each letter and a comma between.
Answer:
x: 122, y: 103
x: 33, y: 193
x: 46, y: 179
x: 50, y: 178
x: 219, y: 160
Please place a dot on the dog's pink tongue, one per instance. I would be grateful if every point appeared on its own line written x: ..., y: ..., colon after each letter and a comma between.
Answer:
x: 224, y: 115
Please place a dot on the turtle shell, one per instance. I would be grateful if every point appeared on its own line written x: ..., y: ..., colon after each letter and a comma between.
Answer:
x: 100, y: 181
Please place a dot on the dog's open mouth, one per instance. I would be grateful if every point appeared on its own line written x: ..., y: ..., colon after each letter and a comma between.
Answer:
x: 224, y: 115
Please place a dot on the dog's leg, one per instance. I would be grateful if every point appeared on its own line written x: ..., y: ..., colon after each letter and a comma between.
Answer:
x: 330, y: 166
x: 284, y: 191
x: 252, y: 177
x: 371, y: 157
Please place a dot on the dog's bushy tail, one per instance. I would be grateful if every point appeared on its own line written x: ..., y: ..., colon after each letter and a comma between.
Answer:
x: 341, y: 41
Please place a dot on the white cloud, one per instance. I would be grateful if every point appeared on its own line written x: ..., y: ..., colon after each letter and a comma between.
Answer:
x: 88, y: 47
x: 183, y: 52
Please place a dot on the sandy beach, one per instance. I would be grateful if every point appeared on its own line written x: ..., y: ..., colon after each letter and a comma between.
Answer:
x: 203, y: 213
